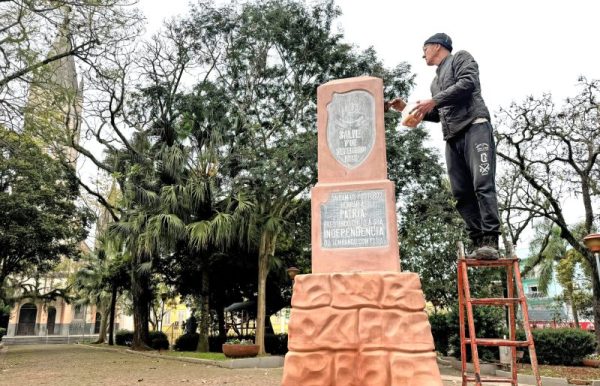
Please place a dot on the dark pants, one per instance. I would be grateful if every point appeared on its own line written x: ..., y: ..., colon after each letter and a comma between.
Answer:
x: 471, y: 161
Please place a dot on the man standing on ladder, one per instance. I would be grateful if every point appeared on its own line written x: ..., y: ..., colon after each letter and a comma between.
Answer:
x: 470, y: 150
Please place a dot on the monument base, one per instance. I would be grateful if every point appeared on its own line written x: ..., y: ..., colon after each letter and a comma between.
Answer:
x: 360, y: 329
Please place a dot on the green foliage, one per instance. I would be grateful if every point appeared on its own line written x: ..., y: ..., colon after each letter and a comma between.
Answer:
x: 37, y: 202
x: 440, y: 331
x: 2, y: 332
x: 546, y: 249
x: 187, y: 342
x: 124, y: 337
x: 158, y: 340
x: 226, y: 167
x: 218, y: 174
x: 560, y: 346
x: 430, y: 227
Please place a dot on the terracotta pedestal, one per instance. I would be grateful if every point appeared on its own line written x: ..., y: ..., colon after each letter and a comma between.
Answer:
x: 360, y: 329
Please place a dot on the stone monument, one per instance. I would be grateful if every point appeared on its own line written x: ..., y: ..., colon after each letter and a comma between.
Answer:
x: 356, y: 320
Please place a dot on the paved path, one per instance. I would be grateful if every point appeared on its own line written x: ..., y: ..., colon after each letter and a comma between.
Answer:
x: 66, y: 365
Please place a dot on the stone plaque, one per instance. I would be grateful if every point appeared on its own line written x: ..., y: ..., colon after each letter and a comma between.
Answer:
x: 351, y: 127
x: 354, y: 219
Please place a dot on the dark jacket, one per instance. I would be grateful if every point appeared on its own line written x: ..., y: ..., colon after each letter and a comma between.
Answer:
x: 457, y: 94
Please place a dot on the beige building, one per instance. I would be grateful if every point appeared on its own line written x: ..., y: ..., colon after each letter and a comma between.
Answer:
x: 55, y: 321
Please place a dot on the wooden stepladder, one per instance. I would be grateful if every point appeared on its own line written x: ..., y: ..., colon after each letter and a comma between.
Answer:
x: 466, y: 303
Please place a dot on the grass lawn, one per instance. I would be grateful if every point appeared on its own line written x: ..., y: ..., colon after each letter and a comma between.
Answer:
x: 568, y: 372
x: 213, y: 356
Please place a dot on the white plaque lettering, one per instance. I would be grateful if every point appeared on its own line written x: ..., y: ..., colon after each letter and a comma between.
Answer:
x: 351, y: 127
x: 354, y: 219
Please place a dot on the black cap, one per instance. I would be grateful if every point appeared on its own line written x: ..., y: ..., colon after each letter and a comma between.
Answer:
x: 442, y: 39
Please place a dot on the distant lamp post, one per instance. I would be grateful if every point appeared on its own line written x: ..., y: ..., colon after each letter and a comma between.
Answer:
x: 592, y: 242
x: 292, y: 272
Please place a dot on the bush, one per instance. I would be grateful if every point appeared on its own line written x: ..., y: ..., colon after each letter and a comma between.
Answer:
x: 440, y: 332
x: 124, y: 337
x: 2, y: 332
x: 560, y: 346
x: 158, y: 340
x: 187, y: 342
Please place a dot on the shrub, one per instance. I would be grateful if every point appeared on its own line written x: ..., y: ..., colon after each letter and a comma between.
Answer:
x: 158, y: 340
x: 440, y: 332
x: 124, y: 337
x: 187, y: 342
x: 2, y: 332
x: 560, y: 346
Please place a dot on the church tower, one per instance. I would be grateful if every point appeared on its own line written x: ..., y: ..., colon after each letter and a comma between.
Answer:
x: 54, y: 105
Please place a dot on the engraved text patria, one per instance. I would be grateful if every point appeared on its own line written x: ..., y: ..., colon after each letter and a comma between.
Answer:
x: 354, y: 219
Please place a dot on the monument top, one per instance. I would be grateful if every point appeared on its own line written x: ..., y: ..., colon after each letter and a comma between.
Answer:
x: 353, y: 204
x: 351, y: 130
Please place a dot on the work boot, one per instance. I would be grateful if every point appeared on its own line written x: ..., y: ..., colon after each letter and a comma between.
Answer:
x: 487, y: 250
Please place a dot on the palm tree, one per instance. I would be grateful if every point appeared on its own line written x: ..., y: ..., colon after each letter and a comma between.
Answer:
x: 91, y: 286
x: 547, y: 249
x: 551, y: 257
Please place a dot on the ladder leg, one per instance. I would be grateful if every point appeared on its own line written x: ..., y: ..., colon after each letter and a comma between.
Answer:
x: 461, y: 320
x: 512, y: 325
x: 526, y: 326
x: 471, y: 323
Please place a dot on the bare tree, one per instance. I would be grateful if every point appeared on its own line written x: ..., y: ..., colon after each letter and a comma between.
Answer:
x: 554, y: 153
x: 30, y: 31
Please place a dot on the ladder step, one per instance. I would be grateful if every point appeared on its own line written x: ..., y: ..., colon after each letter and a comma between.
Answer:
x: 495, y: 301
x: 490, y: 379
x: 490, y: 263
x: 498, y: 342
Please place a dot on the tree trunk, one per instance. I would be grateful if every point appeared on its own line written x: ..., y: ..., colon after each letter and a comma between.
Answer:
x: 141, y: 310
x: 103, y: 323
x: 221, y: 321
x: 265, y: 250
x: 574, y: 310
x: 204, y: 315
x: 111, y: 324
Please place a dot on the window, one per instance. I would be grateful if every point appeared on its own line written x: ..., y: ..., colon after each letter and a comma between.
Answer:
x: 78, y: 314
x: 533, y: 292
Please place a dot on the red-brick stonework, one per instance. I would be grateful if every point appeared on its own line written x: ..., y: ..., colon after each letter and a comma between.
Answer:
x: 360, y: 329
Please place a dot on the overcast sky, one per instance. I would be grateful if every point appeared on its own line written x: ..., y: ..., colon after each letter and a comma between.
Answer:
x: 523, y: 48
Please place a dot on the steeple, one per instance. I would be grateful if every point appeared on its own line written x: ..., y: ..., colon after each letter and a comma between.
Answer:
x: 55, y: 101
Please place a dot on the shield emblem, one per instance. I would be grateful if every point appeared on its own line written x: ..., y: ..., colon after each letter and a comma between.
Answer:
x: 351, y: 127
